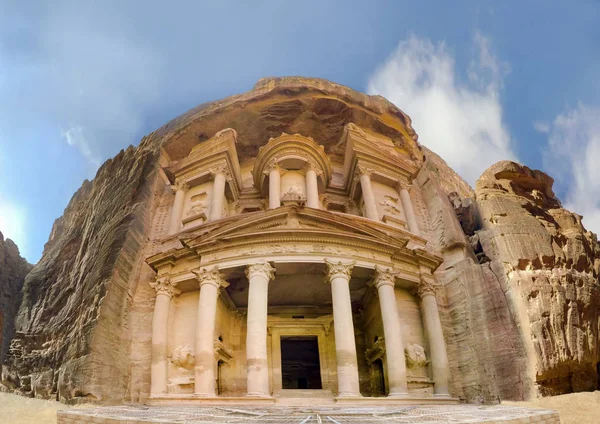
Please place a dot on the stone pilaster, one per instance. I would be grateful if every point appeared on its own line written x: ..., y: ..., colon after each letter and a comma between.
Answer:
x: 220, y: 175
x: 368, y: 194
x: 338, y: 276
x: 409, y: 212
x: 165, y: 290
x: 259, y: 275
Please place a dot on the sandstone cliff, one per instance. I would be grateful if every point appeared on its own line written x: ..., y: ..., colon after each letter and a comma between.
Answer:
x: 13, y: 269
x: 547, y: 264
x: 71, y: 331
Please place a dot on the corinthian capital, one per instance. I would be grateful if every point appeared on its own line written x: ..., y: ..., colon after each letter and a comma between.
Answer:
x: 210, y: 276
x: 220, y: 168
x: 339, y: 269
x: 383, y: 276
x: 180, y: 185
x: 164, y: 285
x: 427, y: 287
x: 263, y: 269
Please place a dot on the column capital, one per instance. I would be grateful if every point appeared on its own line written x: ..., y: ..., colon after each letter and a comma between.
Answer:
x: 180, y: 185
x: 339, y: 269
x: 220, y: 168
x: 262, y: 268
x: 403, y: 185
x: 272, y: 165
x: 164, y: 285
x: 364, y: 170
x: 210, y: 276
x: 384, y: 277
x: 427, y: 287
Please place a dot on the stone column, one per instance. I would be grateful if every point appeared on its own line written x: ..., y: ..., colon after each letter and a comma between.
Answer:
x: 437, y: 345
x: 165, y: 289
x: 259, y: 276
x: 210, y: 282
x: 345, y: 344
x: 180, y: 188
x: 312, y: 189
x: 384, y: 282
x: 274, y: 188
x: 218, y: 195
x: 368, y: 196
x: 411, y: 219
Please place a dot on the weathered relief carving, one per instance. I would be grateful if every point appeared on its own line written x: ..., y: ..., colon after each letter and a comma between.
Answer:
x: 415, y: 356
x: 183, y: 357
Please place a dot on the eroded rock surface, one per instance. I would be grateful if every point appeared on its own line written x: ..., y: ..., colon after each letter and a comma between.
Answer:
x: 542, y: 255
x: 72, y: 335
x: 13, y: 269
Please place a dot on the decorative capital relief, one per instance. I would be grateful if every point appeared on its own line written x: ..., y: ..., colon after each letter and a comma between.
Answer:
x: 180, y: 185
x: 264, y: 269
x: 426, y: 287
x: 164, y: 285
x: 363, y: 170
x: 273, y: 164
x: 383, y: 277
x: 339, y: 269
x: 220, y: 168
x: 210, y: 276
x: 403, y: 185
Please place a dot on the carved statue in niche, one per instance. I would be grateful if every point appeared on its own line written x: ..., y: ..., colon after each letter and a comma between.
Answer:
x: 198, y: 206
x: 183, y: 357
x: 415, y: 356
x: 390, y: 206
x: 294, y: 195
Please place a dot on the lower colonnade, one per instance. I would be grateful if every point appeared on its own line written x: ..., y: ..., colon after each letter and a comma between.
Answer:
x: 259, y: 274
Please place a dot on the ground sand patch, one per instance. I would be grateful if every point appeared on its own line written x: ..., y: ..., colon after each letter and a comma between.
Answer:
x: 16, y: 409
x: 574, y: 408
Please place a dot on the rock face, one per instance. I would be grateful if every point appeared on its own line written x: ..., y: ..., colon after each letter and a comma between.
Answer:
x: 71, y: 331
x: 541, y: 254
x: 520, y: 301
x: 13, y: 269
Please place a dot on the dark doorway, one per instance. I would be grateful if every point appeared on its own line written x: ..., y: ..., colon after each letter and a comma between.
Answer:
x: 300, y: 365
x: 378, y: 378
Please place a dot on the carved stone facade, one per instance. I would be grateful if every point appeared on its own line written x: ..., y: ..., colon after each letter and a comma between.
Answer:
x: 296, y: 242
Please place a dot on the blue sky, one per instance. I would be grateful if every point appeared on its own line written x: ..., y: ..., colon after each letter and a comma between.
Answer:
x: 483, y: 81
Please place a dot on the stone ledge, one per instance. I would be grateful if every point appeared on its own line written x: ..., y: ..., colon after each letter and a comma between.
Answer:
x: 308, y: 415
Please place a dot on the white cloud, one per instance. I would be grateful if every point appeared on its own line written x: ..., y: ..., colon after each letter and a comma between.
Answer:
x: 462, y: 122
x: 574, y: 157
x: 74, y: 137
x: 542, y: 126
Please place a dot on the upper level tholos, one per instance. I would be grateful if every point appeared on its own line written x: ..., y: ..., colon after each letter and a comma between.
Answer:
x: 365, y: 175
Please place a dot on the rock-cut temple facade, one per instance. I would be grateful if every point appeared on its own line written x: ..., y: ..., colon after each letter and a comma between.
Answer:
x: 297, y: 242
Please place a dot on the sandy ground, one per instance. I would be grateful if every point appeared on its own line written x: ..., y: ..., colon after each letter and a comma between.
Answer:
x: 574, y: 408
x: 21, y: 410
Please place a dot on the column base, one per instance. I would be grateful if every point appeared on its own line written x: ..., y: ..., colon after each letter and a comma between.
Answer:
x: 205, y: 395
x: 348, y: 396
x: 259, y: 396
x: 398, y: 395
x: 442, y: 396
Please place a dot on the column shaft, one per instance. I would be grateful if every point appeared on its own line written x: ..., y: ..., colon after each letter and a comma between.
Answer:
x: 259, y: 276
x: 176, y: 211
x: 312, y: 189
x: 437, y: 346
x: 369, y: 197
x: 345, y: 343
x: 274, y: 189
x: 160, y: 322
x: 218, y: 196
x: 392, y: 329
x: 411, y: 219
x: 210, y: 282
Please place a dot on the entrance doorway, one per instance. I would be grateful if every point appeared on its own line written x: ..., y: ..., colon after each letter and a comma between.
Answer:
x: 300, y: 364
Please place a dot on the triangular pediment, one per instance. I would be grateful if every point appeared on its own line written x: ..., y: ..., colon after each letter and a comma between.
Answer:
x: 289, y: 223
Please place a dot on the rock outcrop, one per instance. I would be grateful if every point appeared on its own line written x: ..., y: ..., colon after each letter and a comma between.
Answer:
x: 547, y: 263
x: 71, y: 331
x: 13, y: 269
